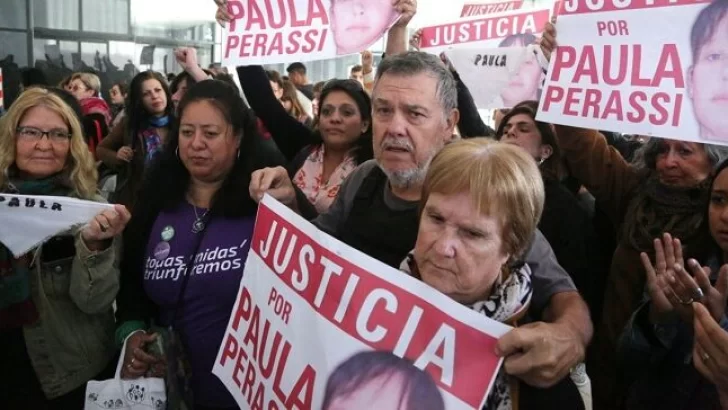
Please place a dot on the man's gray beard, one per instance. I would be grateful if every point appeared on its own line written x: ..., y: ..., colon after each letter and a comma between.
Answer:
x: 407, y: 178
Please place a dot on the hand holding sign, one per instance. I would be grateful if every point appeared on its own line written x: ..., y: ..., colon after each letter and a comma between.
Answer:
x: 407, y: 9
x: 548, y: 39
x: 222, y: 16
x: 541, y: 354
x: 106, y: 225
x: 275, y: 182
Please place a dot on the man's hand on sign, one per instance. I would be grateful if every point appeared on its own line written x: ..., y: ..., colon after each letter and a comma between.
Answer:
x: 540, y: 354
x: 106, y: 225
x: 125, y: 154
x: 367, y: 61
x: 407, y: 9
x: 548, y: 39
x: 416, y: 39
x: 137, y: 362
x: 186, y: 57
x: 222, y: 15
x: 274, y: 182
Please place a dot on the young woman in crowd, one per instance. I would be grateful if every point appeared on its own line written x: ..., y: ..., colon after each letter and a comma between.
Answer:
x: 573, y: 239
x: 659, y: 337
x: 293, y: 106
x: 56, y: 318
x: 481, y: 203
x: 191, y: 209
x: 320, y: 159
x: 118, y: 94
x: 139, y: 137
x: 96, y: 113
x: 665, y: 191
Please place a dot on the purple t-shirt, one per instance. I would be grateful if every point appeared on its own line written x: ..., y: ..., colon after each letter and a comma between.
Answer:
x: 211, y: 289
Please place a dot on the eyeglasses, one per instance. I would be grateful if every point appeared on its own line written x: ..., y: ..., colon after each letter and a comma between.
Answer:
x: 35, y: 134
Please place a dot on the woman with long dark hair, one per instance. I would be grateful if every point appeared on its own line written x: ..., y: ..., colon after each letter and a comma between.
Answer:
x: 190, y: 205
x: 140, y: 136
x: 319, y: 159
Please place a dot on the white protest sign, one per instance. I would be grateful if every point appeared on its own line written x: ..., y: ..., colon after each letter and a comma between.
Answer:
x: 313, y: 314
x: 284, y: 31
x: 26, y: 221
x: 508, y: 29
x: 499, y: 77
x: 649, y: 67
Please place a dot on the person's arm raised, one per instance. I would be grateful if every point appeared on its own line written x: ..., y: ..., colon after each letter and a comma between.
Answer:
x: 397, y: 36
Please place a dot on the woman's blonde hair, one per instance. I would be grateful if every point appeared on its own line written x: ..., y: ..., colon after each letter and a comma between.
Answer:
x: 91, y: 81
x: 502, y: 180
x: 80, y: 169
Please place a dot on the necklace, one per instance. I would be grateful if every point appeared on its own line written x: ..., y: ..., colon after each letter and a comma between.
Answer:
x: 199, y: 224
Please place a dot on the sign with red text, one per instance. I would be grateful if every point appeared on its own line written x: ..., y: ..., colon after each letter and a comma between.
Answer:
x: 648, y: 67
x: 318, y: 323
x: 513, y: 74
x: 285, y: 31
x: 518, y: 28
x: 482, y: 9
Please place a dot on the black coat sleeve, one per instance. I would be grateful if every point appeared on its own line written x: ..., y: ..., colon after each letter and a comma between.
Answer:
x: 289, y: 134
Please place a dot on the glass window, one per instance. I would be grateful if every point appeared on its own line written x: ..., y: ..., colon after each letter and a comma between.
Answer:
x: 13, y: 49
x: 89, y: 56
x: 107, y: 16
x: 58, y: 14
x: 42, y: 48
x: 13, y: 14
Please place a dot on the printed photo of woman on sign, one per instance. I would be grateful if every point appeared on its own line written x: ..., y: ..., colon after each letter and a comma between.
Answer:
x: 359, y: 23
x: 380, y: 380
x: 526, y: 84
x: 708, y: 75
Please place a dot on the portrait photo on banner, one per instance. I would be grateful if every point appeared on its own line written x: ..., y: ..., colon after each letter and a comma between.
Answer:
x: 319, y: 325
x: 273, y: 31
x: 470, y: 45
x: 618, y: 69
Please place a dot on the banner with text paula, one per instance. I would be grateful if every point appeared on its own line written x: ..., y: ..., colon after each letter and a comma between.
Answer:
x: 648, y: 67
x: 320, y: 325
x: 285, y: 31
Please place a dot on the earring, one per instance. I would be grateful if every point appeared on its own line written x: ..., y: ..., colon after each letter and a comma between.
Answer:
x: 176, y: 152
x: 238, y: 153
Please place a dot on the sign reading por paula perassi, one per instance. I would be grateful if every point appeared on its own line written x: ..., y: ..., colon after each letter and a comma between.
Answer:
x: 650, y: 67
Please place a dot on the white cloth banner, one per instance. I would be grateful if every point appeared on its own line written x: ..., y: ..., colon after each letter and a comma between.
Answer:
x: 26, y: 220
x: 318, y: 324
x: 655, y: 68
x: 276, y: 31
x: 499, y: 77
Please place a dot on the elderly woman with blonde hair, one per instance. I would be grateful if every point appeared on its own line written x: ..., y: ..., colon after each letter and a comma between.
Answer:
x: 481, y: 204
x: 86, y: 87
x: 56, y: 318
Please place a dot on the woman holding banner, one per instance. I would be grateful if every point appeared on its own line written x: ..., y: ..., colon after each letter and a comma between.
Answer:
x: 665, y: 191
x: 56, y: 318
x: 185, y: 248
x: 481, y: 204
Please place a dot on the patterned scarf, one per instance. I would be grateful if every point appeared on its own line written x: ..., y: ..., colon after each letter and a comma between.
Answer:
x: 659, y: 208
x: 508, y: 301
x: 16, y: 305
x: 309, y: 179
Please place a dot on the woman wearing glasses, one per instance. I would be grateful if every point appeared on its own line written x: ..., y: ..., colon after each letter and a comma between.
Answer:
x: 319, y: 159
x: 56, y: 318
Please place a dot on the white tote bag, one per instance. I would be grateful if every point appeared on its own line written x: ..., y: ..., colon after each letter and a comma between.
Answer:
x: 140, y: 394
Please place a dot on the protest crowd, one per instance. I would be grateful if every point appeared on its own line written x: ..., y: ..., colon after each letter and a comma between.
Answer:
x: 605, y: 254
